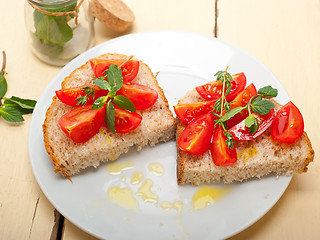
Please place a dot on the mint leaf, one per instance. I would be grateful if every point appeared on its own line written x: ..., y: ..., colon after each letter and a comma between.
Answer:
x: 9, y: 103
x: 114, y: 78
x: 110, y: 117
x: 99, y: 102
x: 261, y: 106
x: 11, y: 114
x: 231, y: 113
x: 23, y: 103
x: 124, y: 103
x: 268, y: 91
x: 102, y: 84
x: 52, y: 31
x: 3, y: 85
x: 252, y: 123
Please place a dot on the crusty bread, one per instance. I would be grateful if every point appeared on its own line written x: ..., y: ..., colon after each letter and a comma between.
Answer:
x: 256, y: 158
x: 158, y: 125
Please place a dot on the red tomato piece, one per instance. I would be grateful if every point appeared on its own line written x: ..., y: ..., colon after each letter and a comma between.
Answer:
x: 69, y: 95
x: 129, y: 69
x: 196, y: 137
x: 288, y: 124
x: 126, y: 121
x: 241, y: 133
x: 221, y: 154
x: 140, y: 95
x: 189, y: 112
x: 240, y: 101
x: 82, y: 123
x: 213, y: 90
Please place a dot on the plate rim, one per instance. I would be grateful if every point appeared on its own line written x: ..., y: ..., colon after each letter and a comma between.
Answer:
x: 67, y: 67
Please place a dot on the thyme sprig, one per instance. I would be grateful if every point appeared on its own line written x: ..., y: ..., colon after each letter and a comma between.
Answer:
x: 258, y: 104
x: 226, y: 79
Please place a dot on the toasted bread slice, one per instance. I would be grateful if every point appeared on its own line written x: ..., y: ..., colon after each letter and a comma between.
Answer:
x: 256, y: 158
x: 68, y: 157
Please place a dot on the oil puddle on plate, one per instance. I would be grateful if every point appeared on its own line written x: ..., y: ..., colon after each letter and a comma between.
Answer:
x: 138, y: 186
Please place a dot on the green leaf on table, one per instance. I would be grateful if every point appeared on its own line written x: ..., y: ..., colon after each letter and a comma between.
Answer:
x: 11, y: 114
x: 3, y: 85
x: 110, y: 116
x: 124, y: 103
x: 23, y: 103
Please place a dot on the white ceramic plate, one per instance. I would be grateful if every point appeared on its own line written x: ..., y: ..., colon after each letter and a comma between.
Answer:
x: 183, y: 60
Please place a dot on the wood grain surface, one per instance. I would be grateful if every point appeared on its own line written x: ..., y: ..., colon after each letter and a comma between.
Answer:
x: 283, y: 35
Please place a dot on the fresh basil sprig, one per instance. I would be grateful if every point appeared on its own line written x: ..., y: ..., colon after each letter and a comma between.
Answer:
x: 12, y: 109
x: 113, y: 84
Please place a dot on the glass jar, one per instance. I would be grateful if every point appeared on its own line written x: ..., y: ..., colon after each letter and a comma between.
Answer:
x: 59, y: 30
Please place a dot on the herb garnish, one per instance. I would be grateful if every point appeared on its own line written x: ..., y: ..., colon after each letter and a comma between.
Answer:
x: 12, y: 109
x: 113, y: 84
x: 257, y: 104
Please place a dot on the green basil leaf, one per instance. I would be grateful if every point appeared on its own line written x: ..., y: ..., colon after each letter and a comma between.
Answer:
x: 114, y: 77
x: 261, y: 106
x: 110, y: 117
x: 23, y: 103
x: 3, y: 85
x: 99, y: 102
x: 124, y: 103
x: 52, y: 29
x: 268, y: 91
x: 231, y: 113
x: 23, y: 111
x: 249, y: 121
x: 102, y: 84
x: 252, y: 123
x: 11, y: 114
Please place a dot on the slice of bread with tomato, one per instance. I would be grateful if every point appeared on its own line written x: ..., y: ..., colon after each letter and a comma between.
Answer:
x: 255, y: 158
x: 69, y: 157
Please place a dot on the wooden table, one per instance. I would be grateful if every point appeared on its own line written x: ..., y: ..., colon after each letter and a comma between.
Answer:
x: 284, y: 35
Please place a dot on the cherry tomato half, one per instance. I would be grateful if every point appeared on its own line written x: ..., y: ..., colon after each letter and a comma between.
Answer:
x: 126, y: 121
x: 240, y: 101
x: 221, y: 154
x: 196, y: 137
x: 213, y: 90
x: 288, y: 124
x: 69, y: 95
x: 140, y: 95
x: 241, y: 133
x: 82, y: 123
x: 188, y: 112
x: 129, y: 70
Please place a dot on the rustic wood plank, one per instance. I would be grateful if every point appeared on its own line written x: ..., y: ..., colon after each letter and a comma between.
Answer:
x: 284, y: 36
x: 25, y: 212
x: 153, y: 15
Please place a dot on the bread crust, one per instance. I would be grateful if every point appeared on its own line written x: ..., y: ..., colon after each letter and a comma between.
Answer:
x: 69, y: 158
x: 256, y: 158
